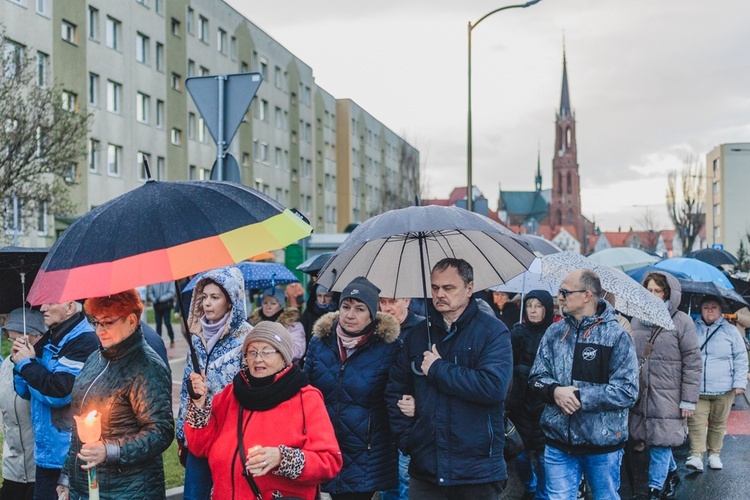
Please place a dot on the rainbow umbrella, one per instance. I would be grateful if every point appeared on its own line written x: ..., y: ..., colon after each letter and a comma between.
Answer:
x: 163, y: 231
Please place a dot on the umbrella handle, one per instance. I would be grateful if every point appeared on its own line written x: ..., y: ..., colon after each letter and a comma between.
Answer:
x: 193, y: 354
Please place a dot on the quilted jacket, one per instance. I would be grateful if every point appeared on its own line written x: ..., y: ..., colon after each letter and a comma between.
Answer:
x: 354, y: 396
x: 130, y: 386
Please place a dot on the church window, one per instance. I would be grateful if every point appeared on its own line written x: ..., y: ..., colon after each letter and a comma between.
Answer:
x: 569, y: 184
x: 559, y: 183
x: 570, y: 217
x: 558, y: 215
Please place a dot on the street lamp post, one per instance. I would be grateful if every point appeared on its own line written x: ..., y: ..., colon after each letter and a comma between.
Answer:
x: 469, y: 186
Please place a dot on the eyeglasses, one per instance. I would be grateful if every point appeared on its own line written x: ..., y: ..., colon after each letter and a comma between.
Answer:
x: 262, y: 354
x: 565, y: 292
x: 104, y: 324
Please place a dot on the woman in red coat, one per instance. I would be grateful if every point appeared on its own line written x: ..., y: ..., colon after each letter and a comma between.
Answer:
x: 269, y: 422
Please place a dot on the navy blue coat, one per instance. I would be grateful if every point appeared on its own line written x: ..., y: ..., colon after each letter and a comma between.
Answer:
x: 354, y: 397
x: 457, y: 434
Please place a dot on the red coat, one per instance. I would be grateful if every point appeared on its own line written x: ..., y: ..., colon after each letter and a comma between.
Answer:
x: 283, y: 424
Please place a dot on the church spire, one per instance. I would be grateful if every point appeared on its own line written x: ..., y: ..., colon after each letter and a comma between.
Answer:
x: 565, y: 97
x: 538, y: 178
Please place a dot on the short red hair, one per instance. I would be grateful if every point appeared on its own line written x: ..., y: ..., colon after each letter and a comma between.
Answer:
x: 119, y: 304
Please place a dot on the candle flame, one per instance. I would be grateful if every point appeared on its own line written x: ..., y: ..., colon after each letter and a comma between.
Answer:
x: 90, y: 416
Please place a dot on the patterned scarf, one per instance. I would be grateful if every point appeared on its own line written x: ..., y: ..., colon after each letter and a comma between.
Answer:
x: 349, y: 342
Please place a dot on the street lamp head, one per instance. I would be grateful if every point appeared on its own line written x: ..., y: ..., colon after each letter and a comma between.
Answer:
x: 532, y: 2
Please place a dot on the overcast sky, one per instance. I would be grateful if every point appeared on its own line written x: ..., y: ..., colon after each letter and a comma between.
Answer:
x: 651, y: 83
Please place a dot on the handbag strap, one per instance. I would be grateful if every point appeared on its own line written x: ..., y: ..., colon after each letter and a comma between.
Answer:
x: 649, y: 346
x: 241, y: 448
x: 711, y: 335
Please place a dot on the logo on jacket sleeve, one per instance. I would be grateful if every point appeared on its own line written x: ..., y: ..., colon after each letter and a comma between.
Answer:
x: 589, y: 353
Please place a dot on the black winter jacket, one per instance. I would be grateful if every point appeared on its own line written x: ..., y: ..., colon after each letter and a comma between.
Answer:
x: 457, y: 434
x: 524, y: 406
x: 129, y: 384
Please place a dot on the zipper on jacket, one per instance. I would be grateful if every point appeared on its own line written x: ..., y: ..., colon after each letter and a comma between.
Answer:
x: 490, y: 432
x: 20, y: 436
x: 578, y: 334
x: 369, y: 423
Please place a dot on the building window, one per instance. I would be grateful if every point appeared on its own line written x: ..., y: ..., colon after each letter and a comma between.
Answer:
x: 717, y: 232
x: 141, y: 160
x: 191, y: 68
x: 264, y: 152
x: 141, y: 48
x: 176, y: 137
x: 221, y: 41
x: 277, y: 77
x: 233, y: 48
x: 202, y: 130
x: 190, y: 20
x: 176, y: 28
x: 203, y: 71
x: 202, y: 29
x: 114, y: 97
x: 93, y: 89
x: 69, y: 32
x: 41, y: 7
x: 716, y: 186
x: 160, y: 57
x: 277, y: 118
x: 717, y: 209
x: 160, y: 173
x: 277, y: 158
x: 176, y: 82
x: 93, y: 23
x: 191, y: 126
x: 159, y: 113
x: 244, y: 68
x: 159, y: 6
x: 114, y: 32
x: 263, y: 110
x: 142, y: 106
x: 93, y: 155
x: 69, y: 101
x: 41, y: 217
x: 192, y: 169
x: 263, y: 67
x: 41, y: 69
x: 114, y: 159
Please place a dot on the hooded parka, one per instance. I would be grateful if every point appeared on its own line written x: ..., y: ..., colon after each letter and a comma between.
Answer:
x: 670, y: 376
x: 18, y: 432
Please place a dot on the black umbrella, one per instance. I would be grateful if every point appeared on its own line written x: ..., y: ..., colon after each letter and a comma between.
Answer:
x: 693, y: 291
x: 18, y: 268
x: 314, y: 264
x: 715, y: 257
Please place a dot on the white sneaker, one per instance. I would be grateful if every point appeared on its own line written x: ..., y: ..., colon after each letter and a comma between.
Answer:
x: 715, y: 462
x: 695, y: 463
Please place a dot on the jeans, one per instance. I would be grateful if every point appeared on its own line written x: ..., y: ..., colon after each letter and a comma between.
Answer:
x: 563, y: 474
x: 662, y: 463
x: 714, y: 411
x: 423, y: 490
x: 530, y: 469
x: 45, y: 485
x: 165, y: 316
x: 198, y: 481
x: 401, y: 492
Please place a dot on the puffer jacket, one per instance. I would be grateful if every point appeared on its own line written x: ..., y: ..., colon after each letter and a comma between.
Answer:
x: 524, y: 406
x: 48, y: 379
x: 18, y: 432
x: 671, y: 376
x: 724, y: 357
x: 596, y: 356
x: 290, y: 319
x: 223, y: 362
x: 131, y: 388
x: 354, y: 397
x: 457, y: 434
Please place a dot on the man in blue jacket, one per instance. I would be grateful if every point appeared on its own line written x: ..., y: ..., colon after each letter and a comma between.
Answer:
x: 458, y: 375
x: 586, y: 371
x: 45, y: 374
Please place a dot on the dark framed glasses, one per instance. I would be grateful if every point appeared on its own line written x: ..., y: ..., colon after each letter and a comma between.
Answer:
x: 565, y: 292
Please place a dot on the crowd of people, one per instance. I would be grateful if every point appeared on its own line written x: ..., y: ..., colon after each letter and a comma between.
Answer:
x: 354, y: 393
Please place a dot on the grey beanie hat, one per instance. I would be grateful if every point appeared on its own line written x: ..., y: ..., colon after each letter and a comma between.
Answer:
x: 362, y: 290
x: 277, y: 294
x: 34, y: 322
x: 272, y: 333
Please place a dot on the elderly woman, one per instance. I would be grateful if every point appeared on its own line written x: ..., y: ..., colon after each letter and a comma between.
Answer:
x: 724, y: 377
x: 670, y: 379
x: 273, y: 309
x: 349, y: 358
x: 268, y: 431
x: 18, y: 446
x: 217, y: 327
x: 127, y: 382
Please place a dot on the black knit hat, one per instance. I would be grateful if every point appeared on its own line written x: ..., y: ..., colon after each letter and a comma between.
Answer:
x: 362, y: 290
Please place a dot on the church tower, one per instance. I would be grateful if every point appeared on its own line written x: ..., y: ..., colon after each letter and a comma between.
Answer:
x: 565, y: 208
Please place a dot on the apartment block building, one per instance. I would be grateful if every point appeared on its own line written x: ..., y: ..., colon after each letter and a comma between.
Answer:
x: 126, y: 63
x: 727, y: 180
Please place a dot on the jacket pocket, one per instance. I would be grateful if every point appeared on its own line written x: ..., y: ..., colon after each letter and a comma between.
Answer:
x: 491, y: 435
x: 591, y: 363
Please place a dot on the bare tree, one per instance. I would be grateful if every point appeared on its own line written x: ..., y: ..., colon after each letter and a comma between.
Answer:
x: 686, y: 202
x: 42, y: 138
x: 649, y: 233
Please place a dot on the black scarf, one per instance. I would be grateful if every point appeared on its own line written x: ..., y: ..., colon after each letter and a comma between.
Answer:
x: 262, y: 395
x: 273, y: 317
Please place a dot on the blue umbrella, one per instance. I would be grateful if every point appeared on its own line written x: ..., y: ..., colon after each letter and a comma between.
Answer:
x: 696, y: 270
x: 258, y: 275
x: 641, y: 272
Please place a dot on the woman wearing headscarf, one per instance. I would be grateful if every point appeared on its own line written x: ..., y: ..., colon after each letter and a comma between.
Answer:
x: 725, y: 363
x: 129, y: 385
x: 670, y: 379
x: 524, y: 407
x: 349, y: 358
x: 217, y: 328
x: 19, y: 469
x: 268, y: 423
x: 273, y: 308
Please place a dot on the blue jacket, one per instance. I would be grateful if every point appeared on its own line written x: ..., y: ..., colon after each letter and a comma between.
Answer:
x: 724, y: 356
x: 596, y: 356
x: 457, y: 434
x: 48, y: 381
x: 354, y: 396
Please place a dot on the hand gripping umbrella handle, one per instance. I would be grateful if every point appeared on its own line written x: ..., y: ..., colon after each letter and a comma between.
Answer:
x: 193, y: 354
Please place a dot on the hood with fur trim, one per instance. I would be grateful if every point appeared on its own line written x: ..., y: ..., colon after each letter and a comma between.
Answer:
x: 287, y: 318
x: 230, y: 278
x: 387, y: 329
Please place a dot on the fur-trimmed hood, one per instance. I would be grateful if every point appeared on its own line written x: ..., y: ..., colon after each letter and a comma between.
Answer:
x: 387, y: 329
x: 230, y: 278
x: 287, y: 318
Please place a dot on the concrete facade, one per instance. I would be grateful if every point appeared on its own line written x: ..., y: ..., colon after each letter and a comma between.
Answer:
x: 727, y: 178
